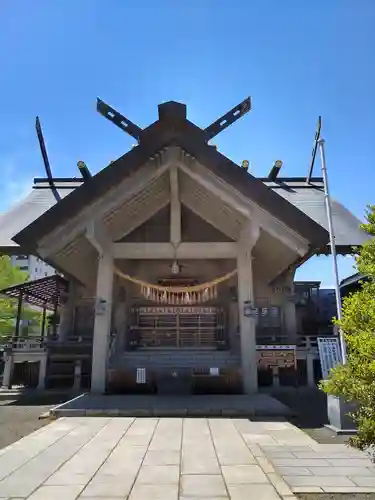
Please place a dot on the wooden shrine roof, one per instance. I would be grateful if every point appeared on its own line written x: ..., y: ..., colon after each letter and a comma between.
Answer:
x: 44, y: 292
x: 172, y: 129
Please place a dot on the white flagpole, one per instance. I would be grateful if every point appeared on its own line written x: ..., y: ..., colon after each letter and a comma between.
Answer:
x: 328, y: 205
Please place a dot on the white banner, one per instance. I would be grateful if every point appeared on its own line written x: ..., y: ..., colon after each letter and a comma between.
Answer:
x: 329, y: 354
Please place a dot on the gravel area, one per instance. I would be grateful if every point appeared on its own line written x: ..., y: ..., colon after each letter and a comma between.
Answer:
x: 19, y: 416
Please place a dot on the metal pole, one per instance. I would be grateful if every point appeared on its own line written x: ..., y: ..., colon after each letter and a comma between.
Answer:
x: 327, y: 200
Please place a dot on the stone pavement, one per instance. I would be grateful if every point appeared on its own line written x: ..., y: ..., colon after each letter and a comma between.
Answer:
x: 169, y: 459
x: 156, y: 405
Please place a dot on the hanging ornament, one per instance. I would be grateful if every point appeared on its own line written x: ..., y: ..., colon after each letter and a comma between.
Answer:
x: 175, y: 268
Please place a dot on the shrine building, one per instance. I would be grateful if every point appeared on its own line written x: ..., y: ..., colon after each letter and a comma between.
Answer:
x: 176, y: 265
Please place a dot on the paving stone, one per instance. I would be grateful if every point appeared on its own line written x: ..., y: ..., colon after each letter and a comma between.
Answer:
x: 202, y: 485
x: 337, y: 448
x: 119, y: 488
x: 227, y: 457
x: 318, y: 481
x: 200, y: 465
x: 158, y: 474
x: 56, y: 493
x: 316, y: 455
x: 10, y: 487
x: 205, y: 498
x: 97, y: 498
x: 265, y: 464
x: 243, y: 474
x: 276, y: 426
x: 362, y: 480
x: 255, y: 449
x: 154, y: 492
x: 348, y: 489
x: 280, y: 453
x: 297, y: 471
x: 342, y: 471
x: 259, y: 438
x: 61, y: 478
x: 306, y: 489
x: 280, y: 485
x: 168, y: 457
x: 295, y: 462
x: 248, y: 491
x: 352, y: 462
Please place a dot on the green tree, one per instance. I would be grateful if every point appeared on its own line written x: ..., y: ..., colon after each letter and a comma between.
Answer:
x: 355, y: 381
x: 9, y: 276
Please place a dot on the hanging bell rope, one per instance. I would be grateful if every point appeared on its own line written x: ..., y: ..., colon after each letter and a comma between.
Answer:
x: 177, y: 295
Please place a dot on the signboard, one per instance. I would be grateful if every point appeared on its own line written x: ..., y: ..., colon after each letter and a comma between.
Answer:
x: 248, y: 310
x: 177, y: 310
x: 329, y: 354
x: 276, y: 356
x: 100, y: 306
x: 141, y: 376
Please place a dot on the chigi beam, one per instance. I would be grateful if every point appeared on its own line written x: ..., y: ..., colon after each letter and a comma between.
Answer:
x: 118, y: 119
x: 226, y: 120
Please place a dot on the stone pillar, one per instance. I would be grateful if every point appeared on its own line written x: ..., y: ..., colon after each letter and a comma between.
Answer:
x: 289, y: 308
x: 247, y: 324
x: 8, y: 371
x: 290, y: 320
x: 102, y: 324
x: 66, y: 313
x: 310, y: 370
x: 42, y: 373
x: 77, y: 375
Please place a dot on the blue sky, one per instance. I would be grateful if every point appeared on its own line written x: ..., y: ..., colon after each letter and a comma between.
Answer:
x: 297, y: 59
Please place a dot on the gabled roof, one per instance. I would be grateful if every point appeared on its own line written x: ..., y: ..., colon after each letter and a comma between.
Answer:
x: 31, y: 208
x: 172, y: 128
x: 309, y: 198
x: 352, y: 280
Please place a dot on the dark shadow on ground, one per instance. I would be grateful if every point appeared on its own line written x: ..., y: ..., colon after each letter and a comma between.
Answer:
x: 38, y: 399
x: 310, y: 408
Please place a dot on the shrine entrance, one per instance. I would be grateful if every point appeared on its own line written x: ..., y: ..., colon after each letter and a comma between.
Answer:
x: 178, y: 327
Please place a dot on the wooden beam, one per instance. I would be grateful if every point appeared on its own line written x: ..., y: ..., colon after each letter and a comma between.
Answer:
x: 98, y: 237
x: 212, y: 250
x: 139, y: 217
x: 207, y: 183
x: 245, y: 206
x: 119, y: 195
x: 175, y: 216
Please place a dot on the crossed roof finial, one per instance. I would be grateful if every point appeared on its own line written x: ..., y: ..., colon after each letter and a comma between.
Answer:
x: 172, y: 108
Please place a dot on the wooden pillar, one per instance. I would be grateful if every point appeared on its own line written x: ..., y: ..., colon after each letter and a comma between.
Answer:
x: 102, y: 324
x: 245, y: 295
x: 42, y: 373
x: 54, y: 325
x: 43, y: 327
x: 18, y: 318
